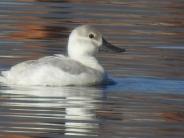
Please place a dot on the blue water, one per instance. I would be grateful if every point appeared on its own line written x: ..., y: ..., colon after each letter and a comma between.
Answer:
x: 148, y: 85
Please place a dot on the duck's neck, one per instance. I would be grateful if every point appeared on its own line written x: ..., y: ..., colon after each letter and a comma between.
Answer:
x: 89, y: 61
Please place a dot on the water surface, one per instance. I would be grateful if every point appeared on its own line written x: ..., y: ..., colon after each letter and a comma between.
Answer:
x: 148, y: 98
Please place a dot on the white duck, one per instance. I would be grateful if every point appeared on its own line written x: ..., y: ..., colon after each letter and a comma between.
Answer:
x: 80, y: 67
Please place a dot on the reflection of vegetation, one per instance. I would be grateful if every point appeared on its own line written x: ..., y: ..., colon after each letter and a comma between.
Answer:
x: 173, y: 116
x: 52, y: 1
x: 38, y: 31
x: 15, y: 136
x: 61, y: 1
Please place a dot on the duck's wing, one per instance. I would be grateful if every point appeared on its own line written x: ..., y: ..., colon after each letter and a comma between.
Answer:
x: 63, y: 63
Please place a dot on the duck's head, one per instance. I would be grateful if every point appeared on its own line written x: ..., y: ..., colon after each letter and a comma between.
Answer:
x: 85, y: 41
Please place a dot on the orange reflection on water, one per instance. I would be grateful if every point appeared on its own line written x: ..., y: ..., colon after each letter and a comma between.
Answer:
x: 15, y: 136
x: 173, y: 116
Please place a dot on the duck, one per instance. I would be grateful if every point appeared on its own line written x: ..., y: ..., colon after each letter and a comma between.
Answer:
x: 79, y: 68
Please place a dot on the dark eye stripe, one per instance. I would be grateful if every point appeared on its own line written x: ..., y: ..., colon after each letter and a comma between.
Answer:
x: 91, y: 36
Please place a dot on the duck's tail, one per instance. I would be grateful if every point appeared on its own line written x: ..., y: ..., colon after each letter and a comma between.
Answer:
x: 2, y: 78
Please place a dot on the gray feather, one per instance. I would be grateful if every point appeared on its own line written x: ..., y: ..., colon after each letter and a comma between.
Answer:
x: 65, y: 64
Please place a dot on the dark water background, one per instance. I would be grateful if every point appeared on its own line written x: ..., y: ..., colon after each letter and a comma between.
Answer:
x: 148, y: 99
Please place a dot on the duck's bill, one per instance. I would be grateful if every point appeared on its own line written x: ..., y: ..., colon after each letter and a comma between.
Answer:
x: 108, y: 46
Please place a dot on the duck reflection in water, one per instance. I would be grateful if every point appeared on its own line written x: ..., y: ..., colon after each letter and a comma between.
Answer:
x: 60, y: 110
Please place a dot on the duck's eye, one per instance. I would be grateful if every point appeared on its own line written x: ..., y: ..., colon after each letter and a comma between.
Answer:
x: 91, y: 36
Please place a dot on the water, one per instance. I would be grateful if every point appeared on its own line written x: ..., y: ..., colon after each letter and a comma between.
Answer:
x: 148, y: 98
